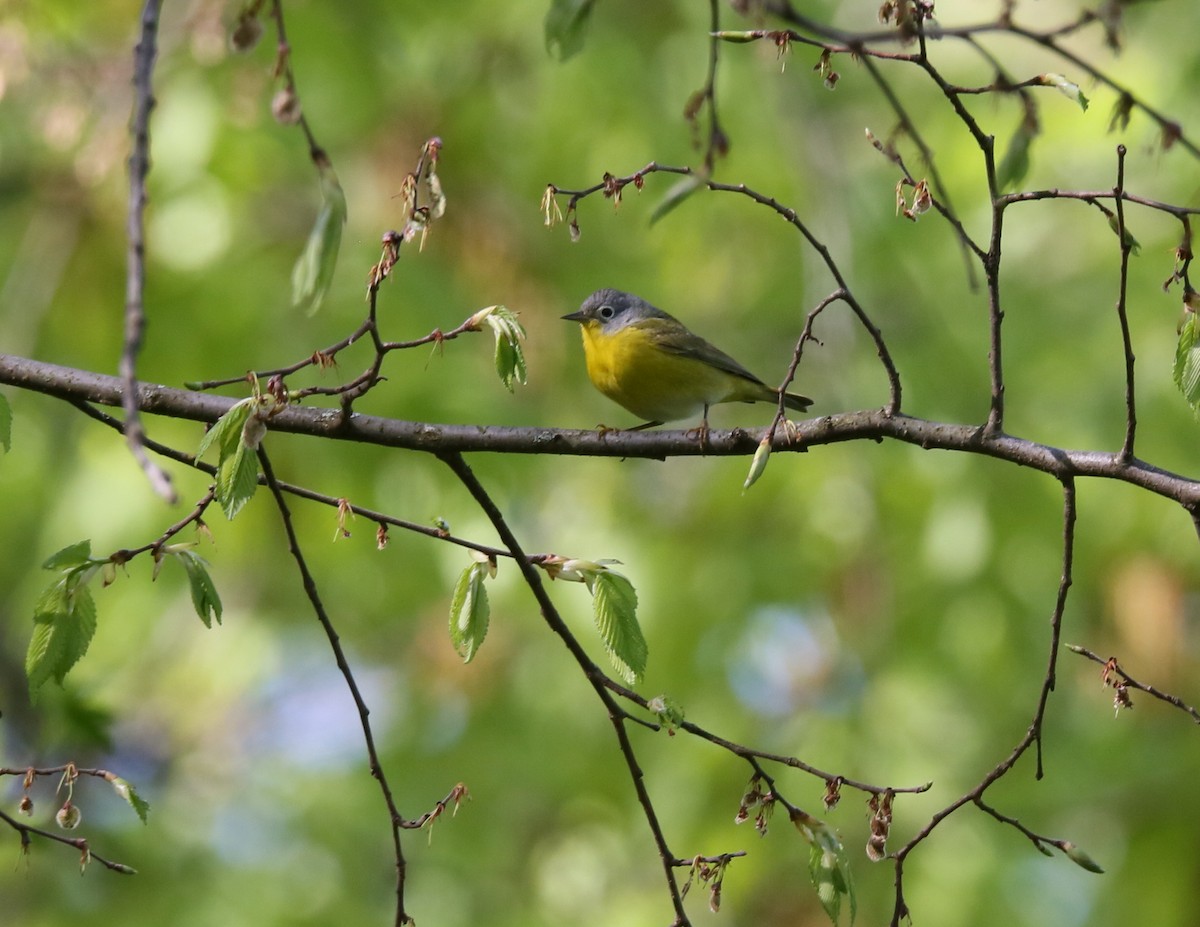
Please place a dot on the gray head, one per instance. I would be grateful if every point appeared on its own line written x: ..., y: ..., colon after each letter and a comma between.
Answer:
x: 614, y: 310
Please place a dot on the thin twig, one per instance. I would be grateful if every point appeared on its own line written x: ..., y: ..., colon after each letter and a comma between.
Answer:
x: 79, y: 843
x: 617, y: 716
x: 1125, y: 242
x: 1033, y: 735
x: 135, y: 319
x: 318, y: 606
x: 1133, y: 683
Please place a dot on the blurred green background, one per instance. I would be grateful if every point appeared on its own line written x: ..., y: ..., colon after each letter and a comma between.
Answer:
x: 875, y: 610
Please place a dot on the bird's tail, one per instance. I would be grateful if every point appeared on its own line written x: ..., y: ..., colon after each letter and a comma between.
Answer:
x: 797, y: 402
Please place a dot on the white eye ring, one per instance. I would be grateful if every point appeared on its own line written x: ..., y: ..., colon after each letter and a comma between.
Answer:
x: 606, y: 312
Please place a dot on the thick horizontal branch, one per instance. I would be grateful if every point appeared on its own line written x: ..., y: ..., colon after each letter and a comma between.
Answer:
x: 875, y: 424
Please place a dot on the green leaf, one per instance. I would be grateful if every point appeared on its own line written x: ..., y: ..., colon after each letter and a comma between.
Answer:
x: 64, y: 624
x: 237, y: 479
x: 227, y: 430
x: 679, y: 192
x: 566, y: 25
x: 75, y: 555
x: 5, y: 424
x: 204, y: 594
x: 614, y: 607
x: 1015, y: 165
x: 129, y: 793
x: 314, y: 268
x: 1067, y: 88
x: 828, y: 866
x: 469, y: 611
x: 1187, y: 360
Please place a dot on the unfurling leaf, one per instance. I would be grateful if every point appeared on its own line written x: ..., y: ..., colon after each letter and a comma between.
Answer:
x: 510, y: 358
x: 237, y: 479
x: 1067, y: 88
x: 314, y: 268
x: 566, y: 25
x: 234, y: 433
x: 828, y: 865
x: 129, y: 793
x: 469, y: 609
x: 227, y: 430
x: 759, y: 463
x: 204, y: 594
x: 1079, y: 857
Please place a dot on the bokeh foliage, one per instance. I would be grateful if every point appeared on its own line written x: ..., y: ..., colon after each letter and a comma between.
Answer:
x: 876, y: 610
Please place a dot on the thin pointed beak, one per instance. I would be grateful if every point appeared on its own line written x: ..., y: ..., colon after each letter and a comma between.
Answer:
x: 579, y: 316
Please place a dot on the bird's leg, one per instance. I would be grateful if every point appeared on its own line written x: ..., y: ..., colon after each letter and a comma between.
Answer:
x: 701, y: 433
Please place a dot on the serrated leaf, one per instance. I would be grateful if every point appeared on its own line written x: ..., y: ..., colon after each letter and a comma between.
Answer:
x: 614, y: 607
x: 71, y: 556
x: 129, y: 793
x: 227, y: 430
x: 1015, y: 164
x: 314, y: 268
x: 679, y: 192
x: 1187, y: 360
x: 469, y: 612
x: 205, y: 599
x: 237, y: 479
x: 5, y: 424
x: 566, y: 25
x: 64, y: 624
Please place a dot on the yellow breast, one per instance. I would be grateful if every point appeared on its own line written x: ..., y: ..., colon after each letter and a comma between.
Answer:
x: 630, y: 369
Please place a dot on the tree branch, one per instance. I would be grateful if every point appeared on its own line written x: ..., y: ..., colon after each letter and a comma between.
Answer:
x: 874, y: 424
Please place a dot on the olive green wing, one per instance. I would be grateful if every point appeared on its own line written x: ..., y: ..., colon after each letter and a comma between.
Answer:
x: 670, y: 336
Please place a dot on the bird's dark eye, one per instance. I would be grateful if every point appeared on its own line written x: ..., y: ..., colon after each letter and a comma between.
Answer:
x: 607, y: 312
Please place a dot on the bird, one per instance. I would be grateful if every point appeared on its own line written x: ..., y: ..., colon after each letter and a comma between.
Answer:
x: 648, y: 362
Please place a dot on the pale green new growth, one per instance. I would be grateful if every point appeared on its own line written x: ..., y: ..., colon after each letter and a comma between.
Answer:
x: 237, y: 463
x: 614, y: 607
x: 565, y: 26
x: 828, y: 866
x: 129, y: 793
x: 1187, y: 360
x: 510, y: 358
x: 469, y: 611
x: 205, y: 599
x: 314, y: 268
